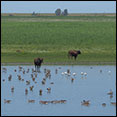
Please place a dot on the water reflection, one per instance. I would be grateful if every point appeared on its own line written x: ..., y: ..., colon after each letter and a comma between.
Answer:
x: 65, y: 90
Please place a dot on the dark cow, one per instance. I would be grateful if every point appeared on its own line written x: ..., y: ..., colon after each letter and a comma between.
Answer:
x: 74, y: 53
x: 38, y: 62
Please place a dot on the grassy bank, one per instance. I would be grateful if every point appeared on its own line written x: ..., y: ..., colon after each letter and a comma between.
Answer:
x: 24, y: 38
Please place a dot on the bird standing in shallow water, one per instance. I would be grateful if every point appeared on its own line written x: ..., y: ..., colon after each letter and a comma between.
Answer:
x: 26, y: 91
x: 40, y: 92
x: 12, y: 89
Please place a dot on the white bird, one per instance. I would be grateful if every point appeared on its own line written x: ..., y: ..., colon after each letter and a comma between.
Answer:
x: 85, y: 73
x: 65, y: 73
x: 109, y: 72
x: 62, y: 73
x: 68, y: 74
x: 82, y: 73
x: 74, y: 74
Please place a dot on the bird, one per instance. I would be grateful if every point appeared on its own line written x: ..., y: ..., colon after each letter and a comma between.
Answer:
x: 113, y: 103
x: 109, y: 72
x: 74, y: 74
x: 82, y: 73
x: 40, y: 92
x: 110, y: 93
x: 12, y: 89
x: 26, y: 91
x: 85, y: 73
x: 62, y: 73
x: 65, y: 73
x: 100, y: 71
x: 7, y: 101
x: 72, y: 79
x: 103, y: 104
x: 31, y: 88
x: 31, y: 101
x: 86, y: 103
x: 49, y: 89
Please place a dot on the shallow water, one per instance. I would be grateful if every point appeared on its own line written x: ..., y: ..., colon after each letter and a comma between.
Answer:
x: 94, y: 87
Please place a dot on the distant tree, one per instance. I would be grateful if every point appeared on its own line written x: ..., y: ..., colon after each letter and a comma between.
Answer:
x: 65, y: 12
x: 33, y: 13
x: 58, y: 12
x: 10, y: 14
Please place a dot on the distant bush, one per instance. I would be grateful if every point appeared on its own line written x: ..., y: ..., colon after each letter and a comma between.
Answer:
x: 58, y: 12
x: 10, y: 14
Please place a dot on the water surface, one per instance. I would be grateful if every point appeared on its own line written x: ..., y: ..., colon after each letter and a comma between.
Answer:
x: 94, y: 87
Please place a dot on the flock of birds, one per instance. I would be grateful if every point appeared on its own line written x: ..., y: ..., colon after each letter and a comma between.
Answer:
x: 47, y: 76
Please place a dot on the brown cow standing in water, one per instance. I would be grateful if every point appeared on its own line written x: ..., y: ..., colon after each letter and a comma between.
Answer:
x: 73, y: 53
x: 38, y: 62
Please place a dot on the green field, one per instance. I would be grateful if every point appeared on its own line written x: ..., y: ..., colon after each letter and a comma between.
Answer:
x: 26, y: 37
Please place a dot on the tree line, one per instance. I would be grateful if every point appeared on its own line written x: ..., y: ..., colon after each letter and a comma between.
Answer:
x: 58, y: 12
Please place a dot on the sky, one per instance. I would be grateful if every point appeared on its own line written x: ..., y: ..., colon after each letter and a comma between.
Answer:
x: 51, y: 6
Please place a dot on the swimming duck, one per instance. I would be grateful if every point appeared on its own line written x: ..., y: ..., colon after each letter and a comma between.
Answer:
x: 110, y: 93
x: 49, y: 89
x: 31, y: 88
x: 7, y: 101
x: 43, y: 102
x: 113, y: 103
x: 86, y: 103
x: 31, y: 101
x: 103, y: 104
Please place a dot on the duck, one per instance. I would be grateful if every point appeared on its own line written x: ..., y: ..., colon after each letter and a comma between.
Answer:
x: 10, y: 77
x: 40, y: 92
x: 100, y: 71
x: 110, y: 93
x: 26, y: 91
x: 103, y: 104
x: 49, y: 89
x: 31, y: 101
x: 52, y: 83
x: 27, y: 70
x: 56, y: 71
x: 19, y: 77
x: 72, y: 79
x: 31, y: 88
x: 3, y: 80
x: 12, y: 89
x: 33, y: 79
x: 27, y: 82
x: 113, y: 103
x: 7, y: 101
x: 68, y: 71
x: 15, y: 70
x: 43, y: 102
x: 36, y: 75
x: 43, y: 82
x: 86, y: 103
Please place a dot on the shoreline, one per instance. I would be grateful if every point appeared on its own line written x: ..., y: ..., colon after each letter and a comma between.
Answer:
x: 64, y: 63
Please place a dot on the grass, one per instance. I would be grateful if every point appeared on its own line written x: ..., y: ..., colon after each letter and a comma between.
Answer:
x: 95, y: 36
